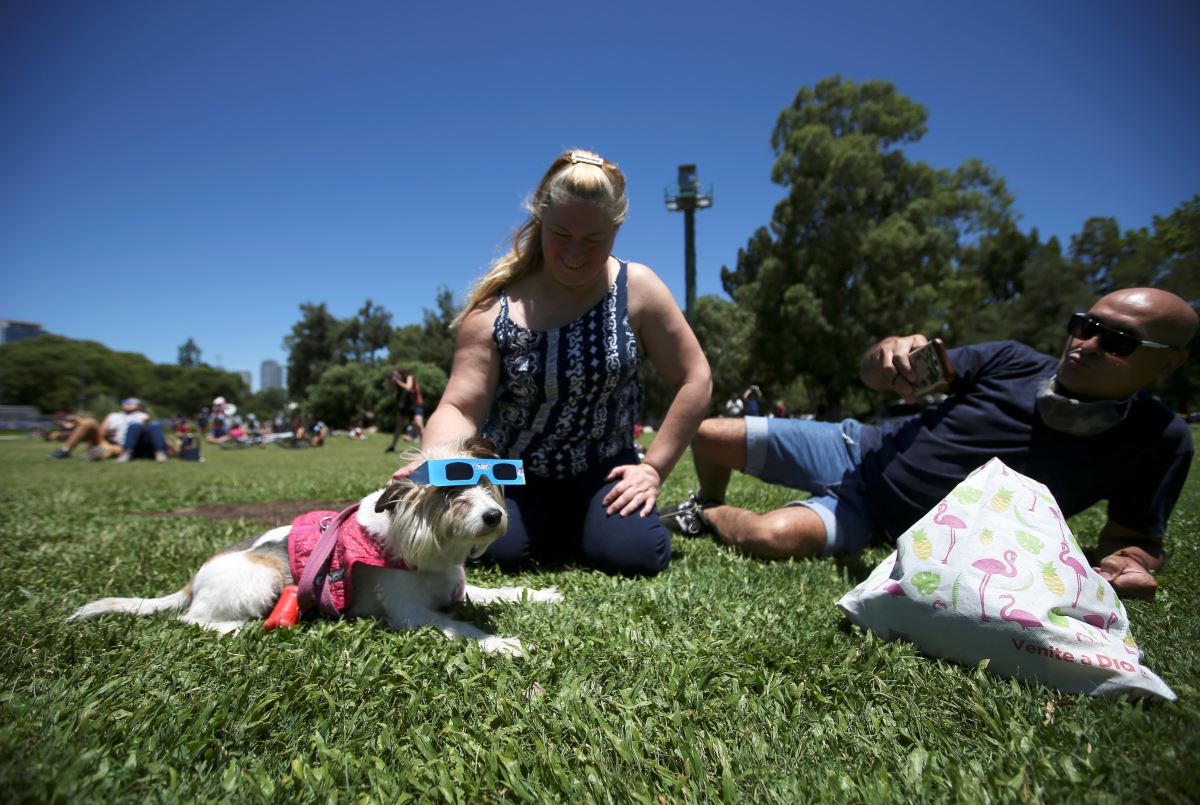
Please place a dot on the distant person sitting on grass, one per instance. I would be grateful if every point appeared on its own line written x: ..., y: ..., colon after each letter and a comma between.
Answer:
x: 220, y: 432
x: 1081, y: 424
x: 314, y: 430
x: 144, y: 437
x: 123, y: 435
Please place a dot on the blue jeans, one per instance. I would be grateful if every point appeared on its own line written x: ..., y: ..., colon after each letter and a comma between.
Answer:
x: 822, y: 458
x: 143, y: 441
x: 562, y: 520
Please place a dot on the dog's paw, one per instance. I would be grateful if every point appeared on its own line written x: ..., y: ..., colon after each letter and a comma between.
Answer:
x: 548, y: 595
x: 508, y: 646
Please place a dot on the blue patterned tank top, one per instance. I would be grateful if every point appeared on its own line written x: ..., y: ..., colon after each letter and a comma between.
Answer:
x: 568, y: 398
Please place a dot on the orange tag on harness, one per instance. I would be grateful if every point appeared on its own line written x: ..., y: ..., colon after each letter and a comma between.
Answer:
x: 286, y: 612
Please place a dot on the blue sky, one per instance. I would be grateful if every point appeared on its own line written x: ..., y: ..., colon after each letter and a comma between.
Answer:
x: 199, y: 169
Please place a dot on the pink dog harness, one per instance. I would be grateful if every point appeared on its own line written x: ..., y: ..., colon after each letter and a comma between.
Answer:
x: 324, y: 547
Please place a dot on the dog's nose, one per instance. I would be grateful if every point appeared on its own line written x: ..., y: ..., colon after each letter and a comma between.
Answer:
x: 491, y: 517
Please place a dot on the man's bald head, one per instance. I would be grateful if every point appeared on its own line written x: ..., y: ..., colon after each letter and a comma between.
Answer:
x: 1160, y: 315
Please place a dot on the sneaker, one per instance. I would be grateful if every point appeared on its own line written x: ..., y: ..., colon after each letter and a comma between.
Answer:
x: 94, y: 453
x: 687, y: 518
x: 59, y: 453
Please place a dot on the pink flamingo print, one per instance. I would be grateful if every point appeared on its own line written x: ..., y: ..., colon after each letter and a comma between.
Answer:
x: 940, y: 604
x: 1073, y: 563
x: 1098, y: 622
x: 1059, y: 518
x: 992, y: 567
x: 1033, y: 503
x: 894, y: 589
x: 951, y: 522
x: 1024, y: 619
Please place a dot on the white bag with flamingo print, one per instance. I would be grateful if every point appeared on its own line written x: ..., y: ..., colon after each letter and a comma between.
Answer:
x: 993, y: 572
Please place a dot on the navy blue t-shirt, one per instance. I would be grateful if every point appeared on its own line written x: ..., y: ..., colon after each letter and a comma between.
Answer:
x: 1139, y: 466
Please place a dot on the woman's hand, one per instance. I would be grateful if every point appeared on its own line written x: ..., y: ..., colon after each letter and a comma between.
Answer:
x: 407, y: 469
x: 637, y: 488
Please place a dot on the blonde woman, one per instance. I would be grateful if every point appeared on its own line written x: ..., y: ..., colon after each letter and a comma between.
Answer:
x: 549, y: 345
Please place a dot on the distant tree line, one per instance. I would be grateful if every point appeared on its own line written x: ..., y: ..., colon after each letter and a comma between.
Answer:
x: 61, y: 374
x: 865, y: 243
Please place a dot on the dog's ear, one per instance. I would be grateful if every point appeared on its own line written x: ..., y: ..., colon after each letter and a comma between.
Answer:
x: 391, y: 496
x: 480, y: 447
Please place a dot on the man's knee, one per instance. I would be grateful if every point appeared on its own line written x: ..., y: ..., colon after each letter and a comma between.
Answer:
x: 721, y: 441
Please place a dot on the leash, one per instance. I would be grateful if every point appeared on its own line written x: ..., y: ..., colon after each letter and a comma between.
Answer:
x: 312, y: 580
x: 303, y: 596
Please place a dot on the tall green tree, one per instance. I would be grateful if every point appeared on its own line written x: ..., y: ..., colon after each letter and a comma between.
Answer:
x: 366, y: 333
x: 189, y: 355
x: 432, y: 341
x: 313, y: 346
x: 865, y: 244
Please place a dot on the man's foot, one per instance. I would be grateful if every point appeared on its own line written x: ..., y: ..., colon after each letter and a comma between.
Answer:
x: 687, y: 518
x: 96, y: 453
x: 59, y: 453
x: 160, y: 457
x: 124, y: 458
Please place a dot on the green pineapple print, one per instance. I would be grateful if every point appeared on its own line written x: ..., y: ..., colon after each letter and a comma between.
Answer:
x: 1002, y: 500
x: 1100, y: 592
x: 986, y: 536
x: 921, y: 545
x: 1051, y: 579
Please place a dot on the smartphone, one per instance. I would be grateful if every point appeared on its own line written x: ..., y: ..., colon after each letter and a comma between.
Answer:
x: 932, y: 365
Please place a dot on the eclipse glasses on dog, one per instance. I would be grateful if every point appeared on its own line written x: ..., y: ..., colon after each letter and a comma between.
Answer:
x: 469, y: 471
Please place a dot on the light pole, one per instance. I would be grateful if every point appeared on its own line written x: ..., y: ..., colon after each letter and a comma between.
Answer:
x: 688, y: 196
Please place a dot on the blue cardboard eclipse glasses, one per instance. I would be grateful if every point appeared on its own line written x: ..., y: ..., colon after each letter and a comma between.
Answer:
x: 468, y: 472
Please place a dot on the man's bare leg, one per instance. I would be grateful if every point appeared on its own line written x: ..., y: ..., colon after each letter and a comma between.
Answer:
x: 791, y: 532
x: 87, y: 431
x: 794, y: 532
x: 718, y: 448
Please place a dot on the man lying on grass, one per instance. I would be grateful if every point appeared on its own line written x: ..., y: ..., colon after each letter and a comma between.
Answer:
x: 1082, y: 425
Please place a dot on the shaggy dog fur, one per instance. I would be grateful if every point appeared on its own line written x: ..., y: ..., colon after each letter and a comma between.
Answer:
x: 434, y: 530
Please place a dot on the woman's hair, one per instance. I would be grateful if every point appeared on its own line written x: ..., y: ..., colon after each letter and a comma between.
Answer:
x: 575, y: 176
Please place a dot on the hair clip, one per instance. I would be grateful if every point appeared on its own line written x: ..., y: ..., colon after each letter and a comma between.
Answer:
x: 587, y: 159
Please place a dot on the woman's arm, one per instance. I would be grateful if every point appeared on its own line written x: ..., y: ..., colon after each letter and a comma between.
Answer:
x: 473, y: 378
x: 672, y: 348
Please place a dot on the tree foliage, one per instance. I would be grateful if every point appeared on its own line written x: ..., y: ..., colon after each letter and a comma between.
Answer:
x: 366, y: 333
x: 313, y: 346
x: 432, y: 341
x: 57, y: 373
x: 866, y: 243
x: 189, y: 355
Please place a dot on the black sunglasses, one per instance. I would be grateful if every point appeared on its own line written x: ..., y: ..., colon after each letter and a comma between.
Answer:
x: 1112, y: 341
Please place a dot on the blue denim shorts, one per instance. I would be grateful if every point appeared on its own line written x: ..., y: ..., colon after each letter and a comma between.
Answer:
x: 823, y: 459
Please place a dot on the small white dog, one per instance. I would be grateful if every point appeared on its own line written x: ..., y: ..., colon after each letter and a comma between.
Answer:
x: 422, y: 535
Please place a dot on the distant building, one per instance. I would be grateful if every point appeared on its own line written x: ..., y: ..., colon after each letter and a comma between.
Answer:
x: 247, y: 378
x: 271, y: 374
x: 17, y: 330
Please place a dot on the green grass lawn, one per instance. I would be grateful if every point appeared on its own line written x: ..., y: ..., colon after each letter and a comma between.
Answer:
x: 722, y: 679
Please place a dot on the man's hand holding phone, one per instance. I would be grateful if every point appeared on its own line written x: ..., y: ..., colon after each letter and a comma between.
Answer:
x: 909, y: 365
